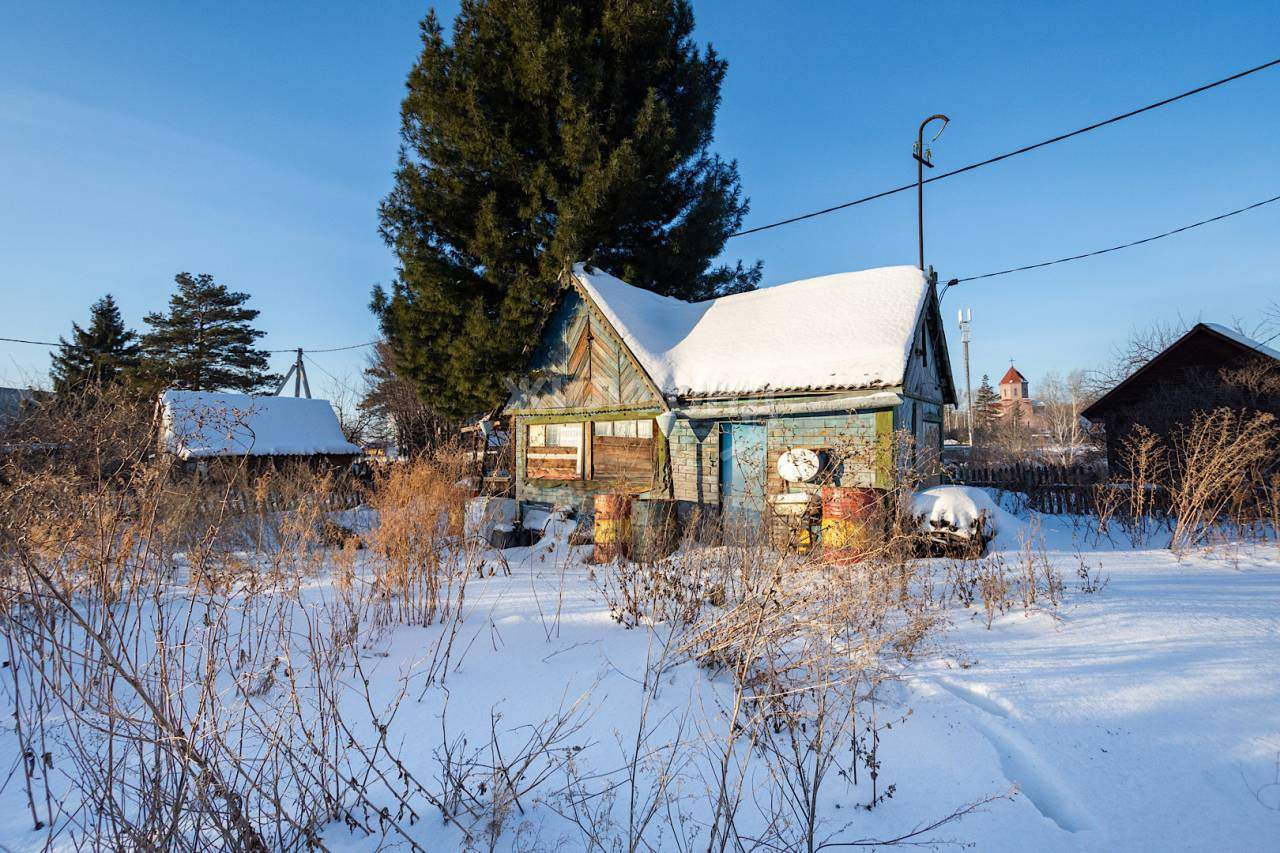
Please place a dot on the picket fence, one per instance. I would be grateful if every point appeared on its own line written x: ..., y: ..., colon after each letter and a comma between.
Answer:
x: 1050, y: 488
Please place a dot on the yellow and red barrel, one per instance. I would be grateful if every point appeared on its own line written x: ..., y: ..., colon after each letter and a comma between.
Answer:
x: 612, y: 527
x: 848, y: 515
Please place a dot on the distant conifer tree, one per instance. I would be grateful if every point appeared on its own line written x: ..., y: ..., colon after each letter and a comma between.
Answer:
x: 538, y: 135
x: 102, y: 354
x: 205, y: 341
x: 986, y: 403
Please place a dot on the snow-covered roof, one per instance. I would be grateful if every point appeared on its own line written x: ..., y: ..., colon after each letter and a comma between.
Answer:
x: 844, y: 331
x: 1242, y: 340
x: 204, y: 423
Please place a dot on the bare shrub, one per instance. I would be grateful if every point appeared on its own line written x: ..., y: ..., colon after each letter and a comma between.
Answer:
x: 1030, y: 581
x: 1220, y: 457
x: 1145, y: 461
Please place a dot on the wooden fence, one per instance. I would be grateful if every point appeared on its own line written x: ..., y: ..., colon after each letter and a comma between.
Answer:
x: 1058, y: 489
x: 243, y: 502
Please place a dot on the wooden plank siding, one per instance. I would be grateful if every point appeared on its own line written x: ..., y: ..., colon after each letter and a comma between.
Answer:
x: 580, y: 365
x: 552, y: 463
x: 629, y: 460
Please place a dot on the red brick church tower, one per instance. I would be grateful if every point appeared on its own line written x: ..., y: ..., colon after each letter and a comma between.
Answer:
x: 1015, y: 396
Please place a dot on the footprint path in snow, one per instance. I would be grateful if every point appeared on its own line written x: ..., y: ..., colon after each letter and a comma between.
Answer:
x: 1020, y: 761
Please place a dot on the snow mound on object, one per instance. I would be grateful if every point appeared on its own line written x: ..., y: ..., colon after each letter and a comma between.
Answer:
x: 960, y: 509
x: 849, y: 330
x: 485, y: 514
x: 201, y: 423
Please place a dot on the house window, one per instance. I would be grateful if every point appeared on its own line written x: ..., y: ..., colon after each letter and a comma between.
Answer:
x: 555, y: 451
x: 619, y: 451
x: 622, y: 451
x: 624, y: 429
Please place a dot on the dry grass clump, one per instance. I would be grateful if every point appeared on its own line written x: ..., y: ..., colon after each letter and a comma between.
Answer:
x: 420, y: 508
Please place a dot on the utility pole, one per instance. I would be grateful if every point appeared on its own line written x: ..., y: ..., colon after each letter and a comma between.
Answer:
x: 299, y: 373
x: 923, y: 157
x: 965, y: 321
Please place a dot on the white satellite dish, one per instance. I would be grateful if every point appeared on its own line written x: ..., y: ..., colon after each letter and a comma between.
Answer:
x: 799, y: 465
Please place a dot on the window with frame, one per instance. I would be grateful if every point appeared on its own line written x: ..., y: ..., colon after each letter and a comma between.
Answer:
x: 621, y: 451
x: 555, y: 451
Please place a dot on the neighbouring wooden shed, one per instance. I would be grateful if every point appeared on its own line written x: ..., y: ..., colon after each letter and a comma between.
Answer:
x: 635, y: 392
x: 1210, y: 366
x: 207, y: 431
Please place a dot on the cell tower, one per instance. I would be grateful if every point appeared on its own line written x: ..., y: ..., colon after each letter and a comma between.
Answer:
x: 965, y: 318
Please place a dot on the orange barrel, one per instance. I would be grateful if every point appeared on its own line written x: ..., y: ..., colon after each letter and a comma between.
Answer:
x: 612, y: 527
x: 846, y: 520
x: 655, y: 529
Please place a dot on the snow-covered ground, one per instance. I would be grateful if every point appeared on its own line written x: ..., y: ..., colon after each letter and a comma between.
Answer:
x: 1145, y: 716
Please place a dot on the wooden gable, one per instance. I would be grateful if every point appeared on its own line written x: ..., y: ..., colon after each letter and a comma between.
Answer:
x: 580, y: 365
x: 928, y: 374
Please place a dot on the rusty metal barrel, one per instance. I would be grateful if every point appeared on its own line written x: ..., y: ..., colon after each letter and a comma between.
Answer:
x: 847, y: 518
x: 612, y: 527
x: 655, y: 529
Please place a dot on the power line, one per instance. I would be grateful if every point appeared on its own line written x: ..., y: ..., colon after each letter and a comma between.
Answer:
x: 1009, y: 154
x: 272, y: 351
x: 327, y: 349
x: 1217, y: 218
x: 37, y: 343
x: 320, y: 367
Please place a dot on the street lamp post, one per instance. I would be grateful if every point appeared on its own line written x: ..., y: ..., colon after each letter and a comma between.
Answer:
x: 922, y: 155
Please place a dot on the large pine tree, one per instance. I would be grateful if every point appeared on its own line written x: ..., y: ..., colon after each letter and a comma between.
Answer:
x: 104, y: 353
x: 543, y: 133
x: 205, y: 341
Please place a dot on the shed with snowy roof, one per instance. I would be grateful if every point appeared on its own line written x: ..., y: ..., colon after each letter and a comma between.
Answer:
x: 1209, y: 367
x: 696, y: 401
x: 203, y: 428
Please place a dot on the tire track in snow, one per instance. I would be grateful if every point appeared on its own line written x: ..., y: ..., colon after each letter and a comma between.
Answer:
x: 1020, y: 761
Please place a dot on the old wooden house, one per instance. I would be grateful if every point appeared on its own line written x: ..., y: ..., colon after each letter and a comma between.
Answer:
x: 213, y: 433
x: 632, y: 391
x: 1210, y: 366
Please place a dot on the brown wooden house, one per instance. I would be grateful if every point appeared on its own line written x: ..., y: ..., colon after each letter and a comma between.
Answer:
x: 1209, y: 367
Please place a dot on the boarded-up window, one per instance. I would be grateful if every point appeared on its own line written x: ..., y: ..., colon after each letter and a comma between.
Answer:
x: 555, y: 451
x: 623, y: 451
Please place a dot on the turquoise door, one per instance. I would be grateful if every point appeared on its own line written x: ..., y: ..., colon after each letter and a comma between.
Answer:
x: 743, y: 474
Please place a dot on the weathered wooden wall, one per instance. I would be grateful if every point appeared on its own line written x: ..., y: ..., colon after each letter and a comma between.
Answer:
x: 924, y: 375
x: 623, y: 460
x: 579, y: 365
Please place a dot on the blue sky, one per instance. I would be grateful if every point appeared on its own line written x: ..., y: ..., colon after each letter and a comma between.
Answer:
x: 254, y: 141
